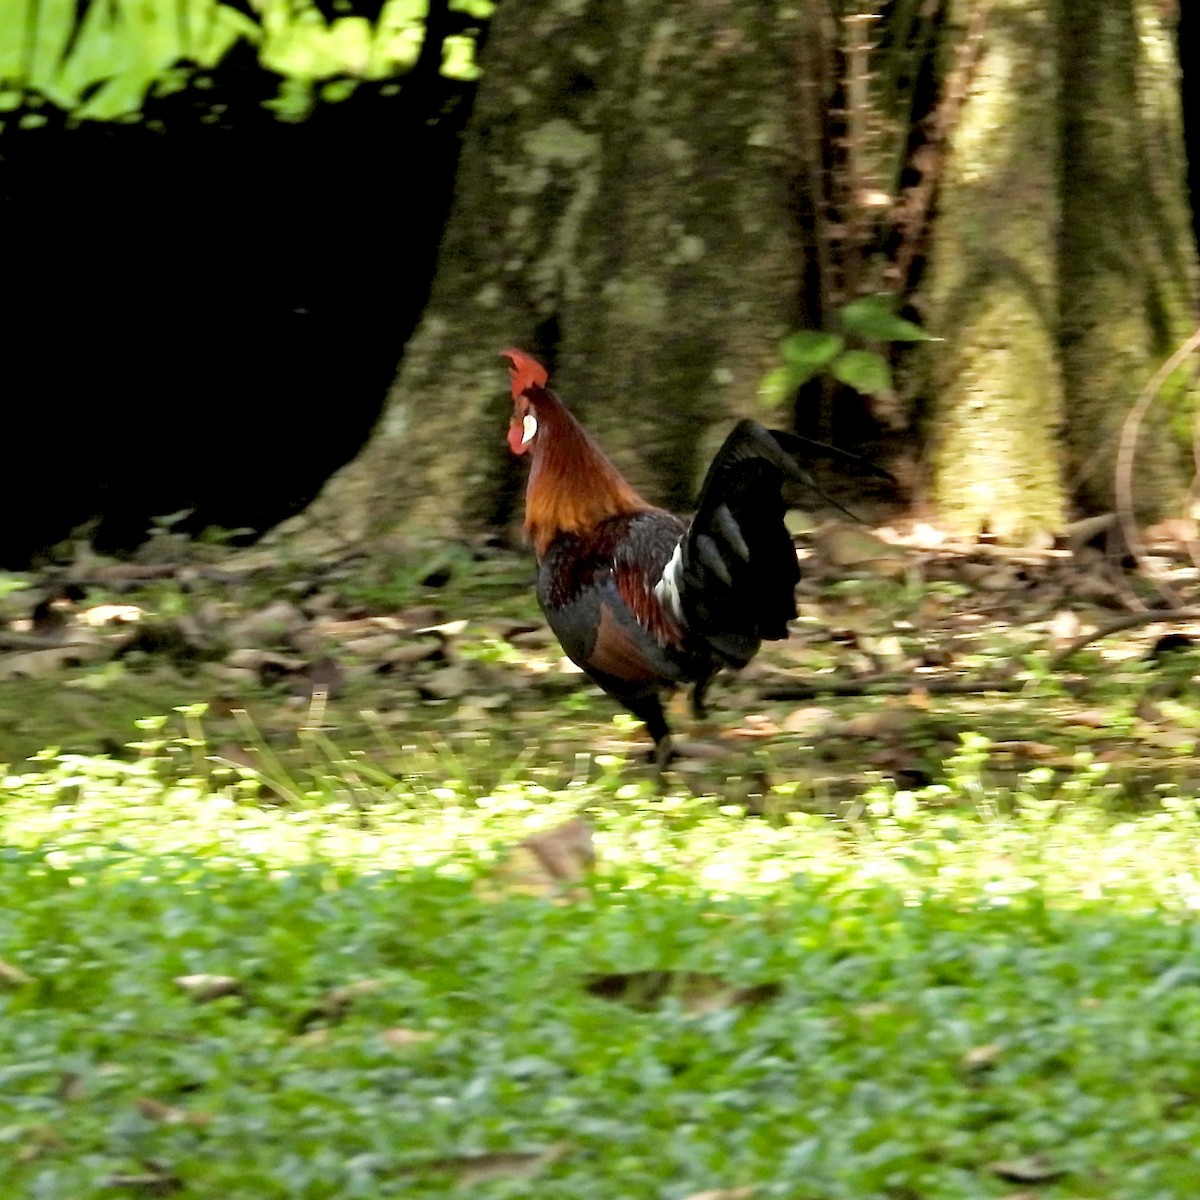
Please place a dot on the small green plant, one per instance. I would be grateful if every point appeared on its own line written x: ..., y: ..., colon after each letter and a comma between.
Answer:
x: 10, y: 583
x: 851, y: 356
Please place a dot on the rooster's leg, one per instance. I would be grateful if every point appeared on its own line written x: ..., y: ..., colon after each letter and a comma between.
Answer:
x: 699, y: 708
x: 649, y: 710
x: 663, y: 753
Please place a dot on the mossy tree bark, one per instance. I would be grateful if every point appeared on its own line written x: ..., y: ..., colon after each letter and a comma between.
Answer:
x: 622, y: 210
x: 1063, y: 266
x: 1127, y: 266
x: 993, y: 291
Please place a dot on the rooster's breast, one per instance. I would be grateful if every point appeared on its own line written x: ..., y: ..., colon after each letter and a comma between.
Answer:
x: 597, y: 591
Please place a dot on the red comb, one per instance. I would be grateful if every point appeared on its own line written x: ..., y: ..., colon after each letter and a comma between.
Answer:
x: 526, y: 372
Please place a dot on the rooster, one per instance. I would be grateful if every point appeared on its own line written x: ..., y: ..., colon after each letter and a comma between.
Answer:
x: 642, y: 601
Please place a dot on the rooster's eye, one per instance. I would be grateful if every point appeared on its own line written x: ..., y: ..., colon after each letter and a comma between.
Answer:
x: 528, y: 429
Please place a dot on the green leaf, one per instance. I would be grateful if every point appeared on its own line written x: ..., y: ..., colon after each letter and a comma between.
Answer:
x: 776, y: 387
x: 808, y: 350
x: 211, y: 40
x: 872, y: 317
x: 48, y: 28
x: 458, y: 58
x: 864, y: 371
x: 15, y: 24
x: 476, y: 8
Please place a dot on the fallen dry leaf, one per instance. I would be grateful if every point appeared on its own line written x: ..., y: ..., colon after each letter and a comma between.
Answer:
x: 1035, y: 750
x: 168, y: 1114
x: 37, y: 1140
x: 36, y: 664
x: 503, y: 1164
x: 810, y: 720
x: 754, y: 725
x: 372, y: 645
x: 447, y: 629
x: 880, y: 723
x: 1035, y: 1168
x: 848, y: 546
x: 399, y: 1038
x: 405, y: 654
x: 419, y: 617
x: 268, y: 626
x: 981, y: 1058
x: 11, y: 976
x: 566, y: 851
x: 698, y: 993
x: 739, y: 1193
x: 447, y: 683
x: 1089, y: 718
x: 1065, y: 627
x: 110, y: 614
x: 268, y: 663
x: 323, y: 677
x: 155, y: 1181
x: 337, y: 1000
x: 544, y: 864
x: 204, y: 987
x: 321, y: 1036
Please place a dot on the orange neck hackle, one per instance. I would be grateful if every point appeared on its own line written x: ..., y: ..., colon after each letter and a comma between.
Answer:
x: 572, y: 484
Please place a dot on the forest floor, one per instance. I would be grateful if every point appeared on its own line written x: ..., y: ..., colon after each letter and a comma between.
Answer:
x: 338, y: 881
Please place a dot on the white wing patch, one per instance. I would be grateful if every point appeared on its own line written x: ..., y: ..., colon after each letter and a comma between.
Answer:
x: 667, y: 588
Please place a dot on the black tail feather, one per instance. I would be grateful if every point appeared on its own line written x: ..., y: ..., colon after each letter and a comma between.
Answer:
x: 735, y: 571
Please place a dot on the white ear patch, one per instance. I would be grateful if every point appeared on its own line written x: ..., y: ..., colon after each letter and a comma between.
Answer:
x: 528, y: 429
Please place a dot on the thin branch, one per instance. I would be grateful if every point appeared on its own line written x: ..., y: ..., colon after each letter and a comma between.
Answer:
x: 892, y: 685
x: 912, y: 211
x: 1189, y: 503
x: 1128, y: 621
x: 899, y: 685
x: 1123, y: 472
x: 815, y: 73
x: 859, y: 174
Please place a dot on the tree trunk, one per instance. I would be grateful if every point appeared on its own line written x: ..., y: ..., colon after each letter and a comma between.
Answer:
x: 1128, y: 267
x: 993, y: 298
x: 622, y: 211
x: 1063, y: 268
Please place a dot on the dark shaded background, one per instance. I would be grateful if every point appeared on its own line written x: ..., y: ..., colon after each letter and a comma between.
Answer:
x: 203, y: 309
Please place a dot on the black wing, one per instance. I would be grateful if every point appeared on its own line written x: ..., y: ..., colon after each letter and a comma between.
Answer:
x: 732, y: 578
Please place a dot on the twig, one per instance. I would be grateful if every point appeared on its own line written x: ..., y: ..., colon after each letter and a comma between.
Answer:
x: 1123, y: 472
x: 1190, y: 539
x: 898, y: 685
x: 1128, y: 621
x: 892, y: 685
x: 859, y: 175
x: 10, y: 640
x: 911, y: 212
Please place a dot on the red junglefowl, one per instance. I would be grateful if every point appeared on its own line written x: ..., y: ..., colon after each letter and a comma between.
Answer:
x: 642, y: 601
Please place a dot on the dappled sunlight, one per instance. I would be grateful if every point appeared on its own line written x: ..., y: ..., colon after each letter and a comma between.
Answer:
x: 436, y: 914
x: 974, y: 838
x: 219, y: 977
x: 398, y: 856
